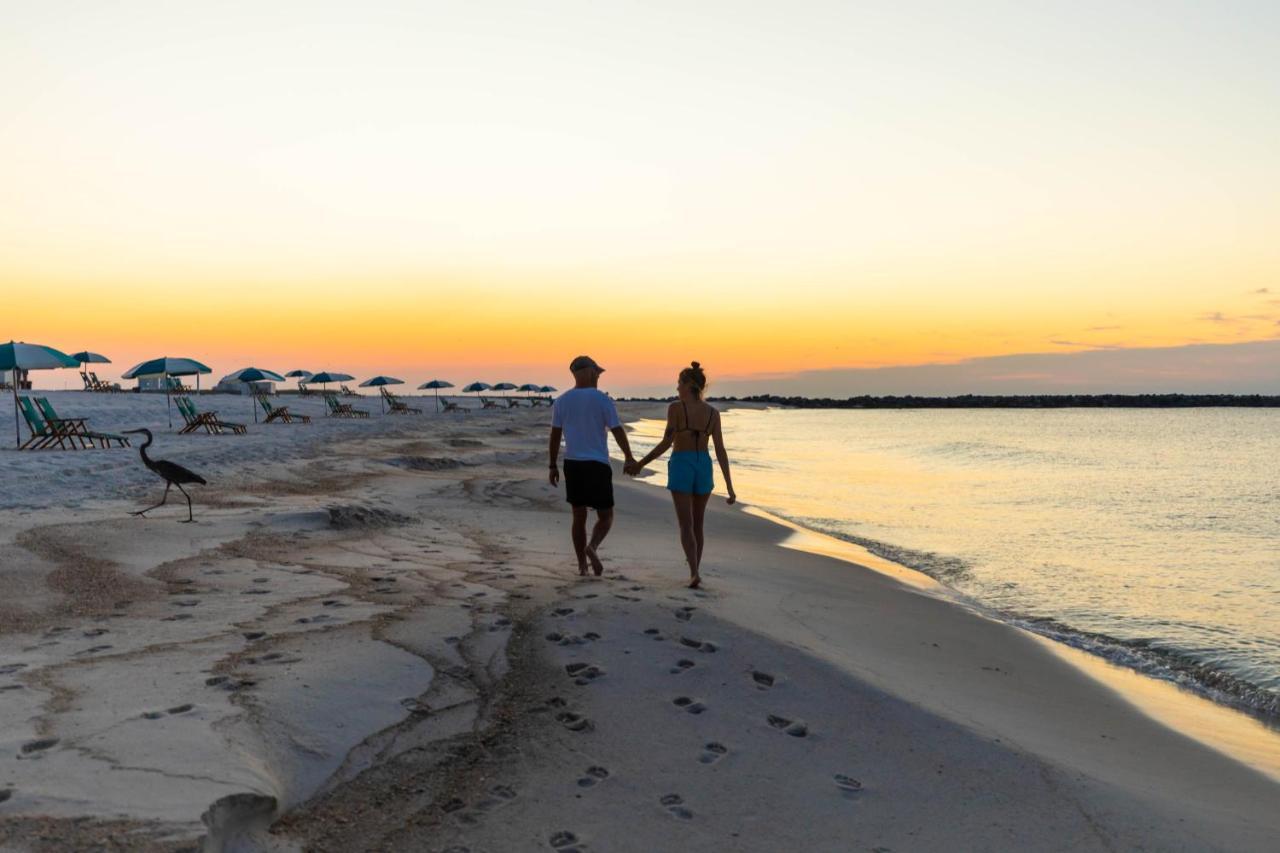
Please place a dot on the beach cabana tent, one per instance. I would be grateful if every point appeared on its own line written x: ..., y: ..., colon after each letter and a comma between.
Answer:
x: 436, y: 385
x: 16, y: 355
x: 379, y: 382
x: 168, y: 366
x: 250, y: 375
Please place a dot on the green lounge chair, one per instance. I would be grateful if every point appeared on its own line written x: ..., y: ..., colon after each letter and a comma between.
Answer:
x: 342, y: 410
x: 279, y: 413
x: 78, y: 427
x: 396, y: 407
x: 208, y: 420
x: 44, y: 435
x: 486, y: 403
x: 450, y: 406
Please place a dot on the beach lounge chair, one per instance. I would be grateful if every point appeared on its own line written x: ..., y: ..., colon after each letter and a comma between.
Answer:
x: 486, y: 403
x: 342, y: 410
x: 396, y: 407
x: 303, y: 390
x: 450, y: 406
x: 99, y: 385
x: 79, y: 427
x: 347, y: 392
x: 513, y: 403
x: 44, y: 435
x: 197, y: 419
x: 89, y: 384
x: 279, y: 413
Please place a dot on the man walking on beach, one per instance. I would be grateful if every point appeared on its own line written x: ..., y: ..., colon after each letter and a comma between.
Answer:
x: 583, y: 415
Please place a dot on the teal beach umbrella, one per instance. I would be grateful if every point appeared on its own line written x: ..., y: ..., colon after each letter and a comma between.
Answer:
x: 16, y: 356
x: 380, y: 382
x: 166, y: 367
x: 254, y: 374
x: 436, y: 385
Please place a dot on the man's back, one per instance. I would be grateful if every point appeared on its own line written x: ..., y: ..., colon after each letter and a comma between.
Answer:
x: 586, y: 415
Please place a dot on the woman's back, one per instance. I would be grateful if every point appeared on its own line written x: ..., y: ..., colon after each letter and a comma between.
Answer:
x: 693, y: 424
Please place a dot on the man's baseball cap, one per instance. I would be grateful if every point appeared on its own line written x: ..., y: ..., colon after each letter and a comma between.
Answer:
x: 582, y: 362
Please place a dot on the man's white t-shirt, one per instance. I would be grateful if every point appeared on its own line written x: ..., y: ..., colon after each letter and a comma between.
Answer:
x: 586, y: 415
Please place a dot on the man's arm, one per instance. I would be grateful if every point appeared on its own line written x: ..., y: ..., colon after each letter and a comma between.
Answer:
x: 552, y: 453
x: 620, y: 436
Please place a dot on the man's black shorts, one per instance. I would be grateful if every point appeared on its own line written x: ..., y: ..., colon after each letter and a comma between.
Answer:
x: 588, y: 483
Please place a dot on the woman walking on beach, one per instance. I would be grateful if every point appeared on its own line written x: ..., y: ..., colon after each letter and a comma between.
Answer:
x: 692, y: 424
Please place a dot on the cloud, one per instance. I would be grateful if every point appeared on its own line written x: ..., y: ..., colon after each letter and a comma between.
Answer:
x: 1238, y: 368
x: 1215, y: 317
x: 1103, y: 328
x: 1263, y: 290
x: 1082, y: 344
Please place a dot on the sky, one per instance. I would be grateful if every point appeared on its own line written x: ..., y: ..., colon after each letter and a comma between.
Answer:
x: 485, y: 190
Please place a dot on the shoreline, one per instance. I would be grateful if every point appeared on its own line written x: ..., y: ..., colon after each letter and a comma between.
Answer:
x: 412, y: 583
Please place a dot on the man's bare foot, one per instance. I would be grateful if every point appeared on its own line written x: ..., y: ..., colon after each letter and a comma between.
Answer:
x: 695, y: 582
x: 596, y: 565
x: 582, y: 569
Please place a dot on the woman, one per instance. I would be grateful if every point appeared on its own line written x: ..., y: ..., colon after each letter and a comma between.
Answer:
x: 691, y: 425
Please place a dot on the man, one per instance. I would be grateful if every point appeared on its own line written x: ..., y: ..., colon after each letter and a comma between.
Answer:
x: 583, y: 415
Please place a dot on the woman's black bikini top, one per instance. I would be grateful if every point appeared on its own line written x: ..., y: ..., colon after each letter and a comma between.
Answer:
x: 697, y: 433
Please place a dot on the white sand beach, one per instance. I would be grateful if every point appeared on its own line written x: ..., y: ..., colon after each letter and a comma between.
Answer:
x: 374, y: 638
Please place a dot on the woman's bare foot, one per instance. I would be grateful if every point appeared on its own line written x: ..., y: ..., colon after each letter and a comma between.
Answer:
x: 695, y: 582
x: 582, y: 569
x: 596, y: 565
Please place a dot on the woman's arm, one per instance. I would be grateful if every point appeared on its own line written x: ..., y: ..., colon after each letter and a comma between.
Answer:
x: 667, y: 438
x: 717, y: 436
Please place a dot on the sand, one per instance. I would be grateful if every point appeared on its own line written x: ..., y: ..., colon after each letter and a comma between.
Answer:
x: 373, y: 638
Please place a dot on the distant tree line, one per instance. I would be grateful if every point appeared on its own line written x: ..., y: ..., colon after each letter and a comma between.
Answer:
x: 1011, y: 401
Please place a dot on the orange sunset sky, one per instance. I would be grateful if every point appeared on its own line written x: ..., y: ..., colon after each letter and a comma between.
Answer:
x: 485, y: 190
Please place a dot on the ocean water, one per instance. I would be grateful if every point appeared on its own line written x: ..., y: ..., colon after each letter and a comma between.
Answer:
x: 1150, y: 537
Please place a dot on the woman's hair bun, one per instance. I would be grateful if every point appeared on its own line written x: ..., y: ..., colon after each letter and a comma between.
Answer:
x: 696, y: 366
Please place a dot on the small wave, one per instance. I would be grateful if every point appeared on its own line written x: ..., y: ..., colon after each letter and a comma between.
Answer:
x: 1173, y: 665
x: 1166, y: 664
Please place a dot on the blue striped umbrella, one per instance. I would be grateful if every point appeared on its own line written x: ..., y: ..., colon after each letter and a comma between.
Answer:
x: 16, y: 356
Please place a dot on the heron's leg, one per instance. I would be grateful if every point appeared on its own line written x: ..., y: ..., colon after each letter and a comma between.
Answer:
x: 190, y: 518
x: 157, y: 506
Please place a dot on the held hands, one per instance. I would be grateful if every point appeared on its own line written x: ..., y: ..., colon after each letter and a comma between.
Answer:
x: 631, y: 467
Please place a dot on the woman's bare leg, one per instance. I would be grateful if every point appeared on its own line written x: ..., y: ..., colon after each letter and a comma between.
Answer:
x: 699, y: 513
x: 684, y: 517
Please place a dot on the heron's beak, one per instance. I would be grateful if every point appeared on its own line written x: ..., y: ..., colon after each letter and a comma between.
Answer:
x: 133, y: 430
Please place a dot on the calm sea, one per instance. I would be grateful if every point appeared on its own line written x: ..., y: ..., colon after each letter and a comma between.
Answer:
x: 1151, y: 537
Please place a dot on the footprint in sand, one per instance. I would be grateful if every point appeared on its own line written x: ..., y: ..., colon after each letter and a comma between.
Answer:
x: 763, y: 680
x: 713, y: 752
x: 574, y: 722
x: 583, y: 673
x: 214, y: 681
x: 562, y: 611
x: 795, y: 728
x: 684, y: 614
x: 10, y: 668
x: 700, y: 645
x: 256, y: 592
x: 93, y: 650
x: 187, y: 602
x: 92, y: 632
x: 847, y: 784
x: 178, y: 617
x: 564, y: 841
x: 594, y: 776
x: 681, y: 666
x: 9, y: 687
x: 5, y: 794
x: 39, y: 745
x: 689, y: 705
x: 674, y: 804
x: 254, y: 635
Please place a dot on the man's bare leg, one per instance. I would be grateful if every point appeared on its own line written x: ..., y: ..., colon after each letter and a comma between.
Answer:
x: 604, y: 521
x: 580, y: 537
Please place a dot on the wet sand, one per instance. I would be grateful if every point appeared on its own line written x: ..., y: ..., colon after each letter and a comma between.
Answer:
x: 385, y: 647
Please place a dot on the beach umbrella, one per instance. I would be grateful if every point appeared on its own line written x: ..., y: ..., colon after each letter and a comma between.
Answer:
x: 254, y: 374
x: 436, y: 385
x: 301, y: 375
x: 324, y: 377
x: 476, y: 387
x: 87, y: 357
x: 166, y: 367
x: 16, y: 356
x: 529, y: 388
x: 380, y: 382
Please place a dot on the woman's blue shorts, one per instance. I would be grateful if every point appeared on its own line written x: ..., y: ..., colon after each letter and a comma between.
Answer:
x: 689, y: 472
